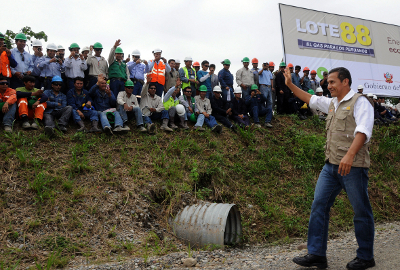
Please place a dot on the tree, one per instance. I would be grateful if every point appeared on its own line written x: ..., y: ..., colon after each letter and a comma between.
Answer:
x: 9, y: 37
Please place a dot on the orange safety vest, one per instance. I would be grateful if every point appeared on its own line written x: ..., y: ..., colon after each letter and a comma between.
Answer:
x: 5, y: 65
x: 158, y: 73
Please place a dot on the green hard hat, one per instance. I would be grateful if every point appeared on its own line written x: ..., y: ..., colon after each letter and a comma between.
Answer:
x: 128, y: 83
x: 119, y: 50
x: 226, y: 62
x: 310, y: 91
x: 203, y: 88
x: 1, y: 35
x: 74, y: 45
x: 20, y: 36
x: 282, y: 64
x: 98, y: 45
x: 192, y: 118
x: 254, y: 87
x: 246, y: 60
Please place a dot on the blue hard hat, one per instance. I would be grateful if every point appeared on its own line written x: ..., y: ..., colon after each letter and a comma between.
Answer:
x: 56, y: 79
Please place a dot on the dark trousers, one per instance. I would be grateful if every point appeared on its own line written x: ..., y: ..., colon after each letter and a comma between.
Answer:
x: 63, y: 116
x: 116, y: 86
x: 245, y: 121
x: 223, y: 120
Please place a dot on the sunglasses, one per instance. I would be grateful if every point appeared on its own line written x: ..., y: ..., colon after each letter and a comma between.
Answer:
x: 290, y: 68
x: 98, y: 50
x: 22, y: 57
x: 188, y: 91
x: 136, y: 56
x: 130, y: 87
x: 152, y: 88
x: 3, y: 83
x: 206, y: 65
x: 57, y: 84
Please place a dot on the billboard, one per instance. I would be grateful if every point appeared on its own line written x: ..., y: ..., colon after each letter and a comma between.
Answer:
x: 322, y: 41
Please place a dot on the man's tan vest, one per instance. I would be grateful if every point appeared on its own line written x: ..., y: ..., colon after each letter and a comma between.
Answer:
x: 340, y: 126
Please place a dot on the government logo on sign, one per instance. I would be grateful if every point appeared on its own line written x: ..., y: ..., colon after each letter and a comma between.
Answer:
x: 388, y: 77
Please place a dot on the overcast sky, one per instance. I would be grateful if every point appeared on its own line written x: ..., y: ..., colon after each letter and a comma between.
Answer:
x: 208, y: 29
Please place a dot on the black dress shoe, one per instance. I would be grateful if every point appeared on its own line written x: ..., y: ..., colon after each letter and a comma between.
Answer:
x: 360, y: 264
x: 312, y: 260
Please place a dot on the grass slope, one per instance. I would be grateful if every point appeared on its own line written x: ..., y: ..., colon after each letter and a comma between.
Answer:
x: 107, y: 198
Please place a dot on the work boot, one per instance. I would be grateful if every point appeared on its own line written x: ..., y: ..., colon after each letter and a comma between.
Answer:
x: 108, y: 130
x: 49, y: 131
x: 81, y: 127
x: 142, y: 128
x: 311, y: 260
x: 95, y: 127
x: 164, y: 125
x: 257, y: 125
x: 151, y: 128
x: 7, y: 129
x: 62, y: 128
x: 117, y: 129
x: 125, y: 128
x: 34, y: 125
x: 183, y: 123
x: 199, y: 128
x: 268, y: 125
x: 358, y: 264
x: 217, y: 129
x: 26, y: 125
x: 172, y: 122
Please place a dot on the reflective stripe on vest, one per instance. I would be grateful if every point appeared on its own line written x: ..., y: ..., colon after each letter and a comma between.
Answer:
x: 158, y: 73
x: 184, y: 85
x: 5, y: 65
x: 170, y: 103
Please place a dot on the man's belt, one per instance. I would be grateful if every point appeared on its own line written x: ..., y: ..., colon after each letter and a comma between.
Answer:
x: 134, y: 80
x: 119, y: 79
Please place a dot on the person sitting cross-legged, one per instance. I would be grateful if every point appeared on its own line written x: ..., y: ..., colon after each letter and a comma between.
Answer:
x: 128, y: 106
x: 203, y: 111
x: 153, y: 107
x: 81, y: 103
x: 56, y: 108
x: 105, y: 103
x: 220, y: 108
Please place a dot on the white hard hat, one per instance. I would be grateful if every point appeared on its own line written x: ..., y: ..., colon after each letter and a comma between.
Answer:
x: 86, y: 48
x: 37, y: 43
x: 375, y: 97
x: 60, y: 47
x: 217, y: 89
x: 188, y: 58
x: 135, y: 52
x: 370, y: 95
x: 51, y: 46
x: 177, y: 61
x: 180, y: 110
x: 360, y: 87
x: 319, y: 90
x: 157, y: 50
x: 238, y: 90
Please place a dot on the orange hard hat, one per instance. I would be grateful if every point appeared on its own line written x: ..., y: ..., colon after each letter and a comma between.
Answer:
x: 196, y: 64
x: 306, y: 68
x: 313, y: 72
x: 271, y: 64
x: 290, y: 65
x: 254, y: 61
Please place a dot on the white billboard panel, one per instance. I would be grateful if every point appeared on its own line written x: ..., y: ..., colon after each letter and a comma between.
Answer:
x: 322, y: 41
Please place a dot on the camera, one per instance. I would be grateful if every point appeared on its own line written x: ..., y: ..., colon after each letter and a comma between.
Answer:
x: 39, y: 49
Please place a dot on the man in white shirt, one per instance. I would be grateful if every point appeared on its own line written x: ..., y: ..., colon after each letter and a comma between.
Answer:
x: 349, y: 127
x: 127, y: 105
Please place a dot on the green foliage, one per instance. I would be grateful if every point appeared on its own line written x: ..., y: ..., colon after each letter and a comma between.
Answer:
x: 9, y: 36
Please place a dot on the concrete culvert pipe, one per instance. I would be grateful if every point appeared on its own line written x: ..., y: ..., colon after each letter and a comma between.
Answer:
x: 205, y: 224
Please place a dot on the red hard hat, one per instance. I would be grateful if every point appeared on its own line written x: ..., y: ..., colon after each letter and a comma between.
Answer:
x: 271, y: 64
x: 290, y: 65
x: 254, y: 61
x: 196, y: 64
x: 313, y: 72
x: 306, y: 68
